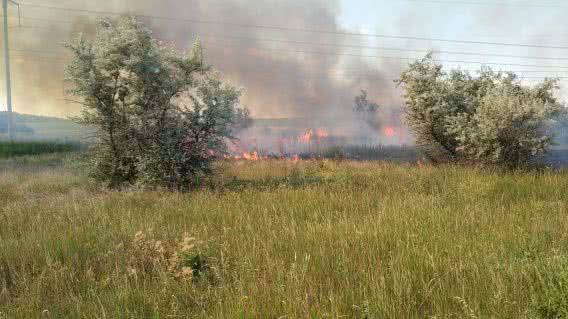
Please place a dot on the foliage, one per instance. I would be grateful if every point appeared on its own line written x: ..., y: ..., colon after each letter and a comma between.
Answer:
x: 491, y: 118
x: 159, y: 116
x: 243, y: 120
x: 362, y: 104
x: 366, y: 109
x: 193, y: 139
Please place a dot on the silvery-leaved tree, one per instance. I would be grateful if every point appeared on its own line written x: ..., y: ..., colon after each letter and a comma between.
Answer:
x: 366, y: 110
x: 489, y: 118
x: 243, y: 120
x: 160, y: 117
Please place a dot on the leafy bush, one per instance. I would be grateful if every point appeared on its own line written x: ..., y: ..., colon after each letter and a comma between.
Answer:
x: 160, y: 117
x: 491, y: 118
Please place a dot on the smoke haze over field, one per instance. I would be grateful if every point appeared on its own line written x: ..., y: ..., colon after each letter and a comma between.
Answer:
x: 278, y: 80
x: 286, y: 73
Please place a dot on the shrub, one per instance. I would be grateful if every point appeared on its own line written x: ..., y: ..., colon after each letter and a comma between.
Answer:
x: 491, y: 118
x: 159, y: 116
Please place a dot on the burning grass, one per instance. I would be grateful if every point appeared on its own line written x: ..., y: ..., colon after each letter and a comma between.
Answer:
x: 393, y: 153
x: 273, y: 238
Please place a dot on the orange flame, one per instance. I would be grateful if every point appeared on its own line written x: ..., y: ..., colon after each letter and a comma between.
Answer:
x: 306, y: 137
x: 389, y: 131
x: 252, y: 156
x: 310, y: 136
x: 320, y: 133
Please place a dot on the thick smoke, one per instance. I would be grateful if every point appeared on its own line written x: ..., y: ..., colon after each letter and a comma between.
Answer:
x: 283, y: 73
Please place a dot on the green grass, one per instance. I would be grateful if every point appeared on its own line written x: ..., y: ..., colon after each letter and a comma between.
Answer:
x: 20, y: 148
x: 276, y: 239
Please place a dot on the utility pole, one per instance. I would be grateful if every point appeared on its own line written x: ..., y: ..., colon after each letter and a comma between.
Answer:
x: 7, y: 61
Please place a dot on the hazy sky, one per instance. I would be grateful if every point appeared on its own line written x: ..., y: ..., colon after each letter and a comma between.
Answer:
x: 291, y: 73
x: 538, y: 22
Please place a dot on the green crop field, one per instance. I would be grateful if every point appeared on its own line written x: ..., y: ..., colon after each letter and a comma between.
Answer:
x: 21, y: 148
x: 277, y: 239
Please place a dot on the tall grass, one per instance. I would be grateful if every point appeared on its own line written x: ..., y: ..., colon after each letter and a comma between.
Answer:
x: 274, y: 239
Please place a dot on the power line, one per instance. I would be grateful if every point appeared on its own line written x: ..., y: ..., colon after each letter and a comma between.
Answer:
x: 340, y: 54
x: 396, y: 49
x: 456, y: 2
x: 352, y: 72
x: 36, y: 51
x: 341, y: 45
x: 384, y: 48
x: 493, y: 4
x: 322, y: 75
x: 345, y: 45
x: 540, y: 36
x: 305, y: 30
x: 398, y: 58
x: 356, y: 46
x: 51, y: 53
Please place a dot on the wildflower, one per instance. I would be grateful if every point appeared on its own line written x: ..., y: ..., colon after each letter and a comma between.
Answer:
x: 187, y: 244
x: 187, y: 272
x: 131, y: 271
x: 139, y: 236
x: 159, y: 247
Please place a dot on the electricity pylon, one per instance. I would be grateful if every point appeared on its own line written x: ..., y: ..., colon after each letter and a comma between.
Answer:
x: 11, y: 128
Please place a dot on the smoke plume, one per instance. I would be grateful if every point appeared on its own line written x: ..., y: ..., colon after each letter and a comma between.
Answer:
x: 283, y: 73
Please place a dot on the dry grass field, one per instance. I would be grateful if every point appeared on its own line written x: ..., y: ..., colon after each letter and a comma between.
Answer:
x: 277, y: 239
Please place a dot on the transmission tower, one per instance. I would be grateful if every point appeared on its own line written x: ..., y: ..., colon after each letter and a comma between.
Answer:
x: 11, y: 128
